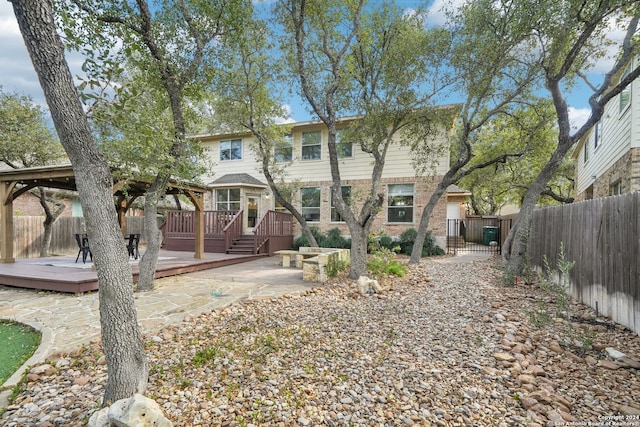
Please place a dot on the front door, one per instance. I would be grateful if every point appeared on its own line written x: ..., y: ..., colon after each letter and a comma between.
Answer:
x: 453, y: 214
x: 253, y: 210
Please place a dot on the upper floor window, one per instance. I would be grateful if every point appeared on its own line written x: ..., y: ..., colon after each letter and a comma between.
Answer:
x: 400, y: 203
x: 346, y: 196
x: 597, y: 135
x: 585, y: 153
x: 228, y: 199
x: 310, y: 203
x: 231, y: 150
x: 625, y: 95
x: 343, y: 146
x: 283, y: 151
x: 311, y: 145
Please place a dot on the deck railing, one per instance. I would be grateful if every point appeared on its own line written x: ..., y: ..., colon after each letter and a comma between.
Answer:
x: 274, y: 226
x: 273, y: 232
x: 181, y: 224
x: 232, y: 230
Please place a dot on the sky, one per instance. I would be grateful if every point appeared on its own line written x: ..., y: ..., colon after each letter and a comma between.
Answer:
x: 17, y: 74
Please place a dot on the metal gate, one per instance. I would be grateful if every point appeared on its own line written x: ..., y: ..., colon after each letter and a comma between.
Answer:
x: 477, y: 234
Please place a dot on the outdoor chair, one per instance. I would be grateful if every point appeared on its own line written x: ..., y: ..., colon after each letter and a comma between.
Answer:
x: 83, y: 247
x: 132, y: 245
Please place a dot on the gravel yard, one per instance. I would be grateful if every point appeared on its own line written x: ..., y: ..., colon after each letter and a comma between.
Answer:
x: 446, y: 346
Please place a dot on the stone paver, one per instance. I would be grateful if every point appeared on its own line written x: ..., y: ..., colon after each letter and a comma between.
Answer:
x: 74, y: 320
x: 69, y: 321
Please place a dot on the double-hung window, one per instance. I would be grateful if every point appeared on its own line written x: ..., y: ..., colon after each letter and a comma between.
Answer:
x: 400, y: 203
x: 231, y: 150
x: 344, y: 147
x: 597, y: 135
x: 346, y: 196
x: 625, y: 95
x: 228, y: 199
x: 311, y: 145
x: 283, y: 151
x: 310, y: 203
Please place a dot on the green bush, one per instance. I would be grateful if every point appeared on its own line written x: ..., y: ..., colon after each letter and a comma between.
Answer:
x: 303, y: 241
x: 428, y: 248
x: 333, y: 239
x: 382, y: 262
x: 378, y: 240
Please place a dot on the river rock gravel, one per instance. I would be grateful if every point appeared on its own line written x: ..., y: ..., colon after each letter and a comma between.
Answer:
x: 448, y: 345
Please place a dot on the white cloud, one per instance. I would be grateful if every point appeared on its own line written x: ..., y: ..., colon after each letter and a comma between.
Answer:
x: 437, y: 15
x: 578, y: 116
x: 287, y: 118
x: 17, y: 73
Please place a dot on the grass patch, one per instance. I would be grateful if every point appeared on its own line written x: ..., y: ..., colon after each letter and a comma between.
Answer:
x: 19, y: 342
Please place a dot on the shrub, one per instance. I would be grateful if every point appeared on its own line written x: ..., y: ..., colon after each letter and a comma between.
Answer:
x: 380, y: 240
x: 408, y: 237
x: 335, y: 266
x: 382, y: 262
x: 303, y: 241
x: 333, y: 239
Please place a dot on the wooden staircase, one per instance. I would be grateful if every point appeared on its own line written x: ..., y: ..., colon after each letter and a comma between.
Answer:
x: 244, y: 245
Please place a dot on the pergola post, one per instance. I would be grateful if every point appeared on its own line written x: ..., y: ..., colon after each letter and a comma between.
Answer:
x: 196, y: 198
x: 6, y: 222
x: 121, y: 208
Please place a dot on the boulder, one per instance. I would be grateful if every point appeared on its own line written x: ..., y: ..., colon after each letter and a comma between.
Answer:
x: 99, y: 419
x: 370, y: 286
x: 137, y: 411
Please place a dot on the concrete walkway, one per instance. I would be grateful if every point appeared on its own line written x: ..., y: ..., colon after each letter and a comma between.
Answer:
x: 68, y: 321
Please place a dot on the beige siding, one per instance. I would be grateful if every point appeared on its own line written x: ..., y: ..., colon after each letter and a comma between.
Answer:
x: 620, y: 135
x: 355, y: 172
x: 398, y: 161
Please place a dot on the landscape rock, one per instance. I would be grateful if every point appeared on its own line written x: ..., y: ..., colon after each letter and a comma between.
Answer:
x: 422, y: 353
x: 137, y: 411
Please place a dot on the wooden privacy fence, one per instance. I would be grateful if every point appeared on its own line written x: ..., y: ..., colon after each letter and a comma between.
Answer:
x: 602, y: 237
x: 28, y: 231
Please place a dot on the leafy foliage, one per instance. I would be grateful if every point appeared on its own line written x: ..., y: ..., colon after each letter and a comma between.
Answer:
x: 26, y: 139
x: 531, y: 131
x: 429, y: 247
x: 383, y: 262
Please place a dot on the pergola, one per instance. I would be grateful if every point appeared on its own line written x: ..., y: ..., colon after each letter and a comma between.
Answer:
x: 15, y: 182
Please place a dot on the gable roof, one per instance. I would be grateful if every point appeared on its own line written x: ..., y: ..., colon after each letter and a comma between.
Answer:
x: 241, y: 179
x: 454, y: 190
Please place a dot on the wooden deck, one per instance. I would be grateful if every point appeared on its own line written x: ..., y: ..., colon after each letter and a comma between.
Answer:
x: 62, y: 274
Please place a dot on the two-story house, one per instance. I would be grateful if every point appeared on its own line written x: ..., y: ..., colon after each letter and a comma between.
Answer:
x: 608, y: 156
x: 237, y: 182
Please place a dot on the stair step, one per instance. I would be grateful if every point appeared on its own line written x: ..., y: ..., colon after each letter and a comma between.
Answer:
x: 240, y: 251
x: 242, y: 245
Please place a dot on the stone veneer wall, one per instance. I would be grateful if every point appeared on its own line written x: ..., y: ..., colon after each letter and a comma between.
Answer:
x: 423, y: 188
x: 626, y: 170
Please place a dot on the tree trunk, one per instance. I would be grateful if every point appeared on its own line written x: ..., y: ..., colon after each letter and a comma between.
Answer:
x: 416, y: 251
x: 152, y: 236
x: 514, y: 248
x: 49, y: 218
x: 359, y: 241
x: 121, y: 339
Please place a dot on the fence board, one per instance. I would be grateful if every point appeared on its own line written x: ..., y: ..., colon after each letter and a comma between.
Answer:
x: 28, y: 234
x: 601, y: 235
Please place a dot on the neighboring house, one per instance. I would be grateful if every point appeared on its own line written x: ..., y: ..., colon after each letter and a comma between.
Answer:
x: 29, y: 205
x: 239, y: 184
x: 608, y: 156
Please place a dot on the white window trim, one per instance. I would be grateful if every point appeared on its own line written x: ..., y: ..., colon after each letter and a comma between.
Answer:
x: 231, y: 141
x: 302, y: 145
